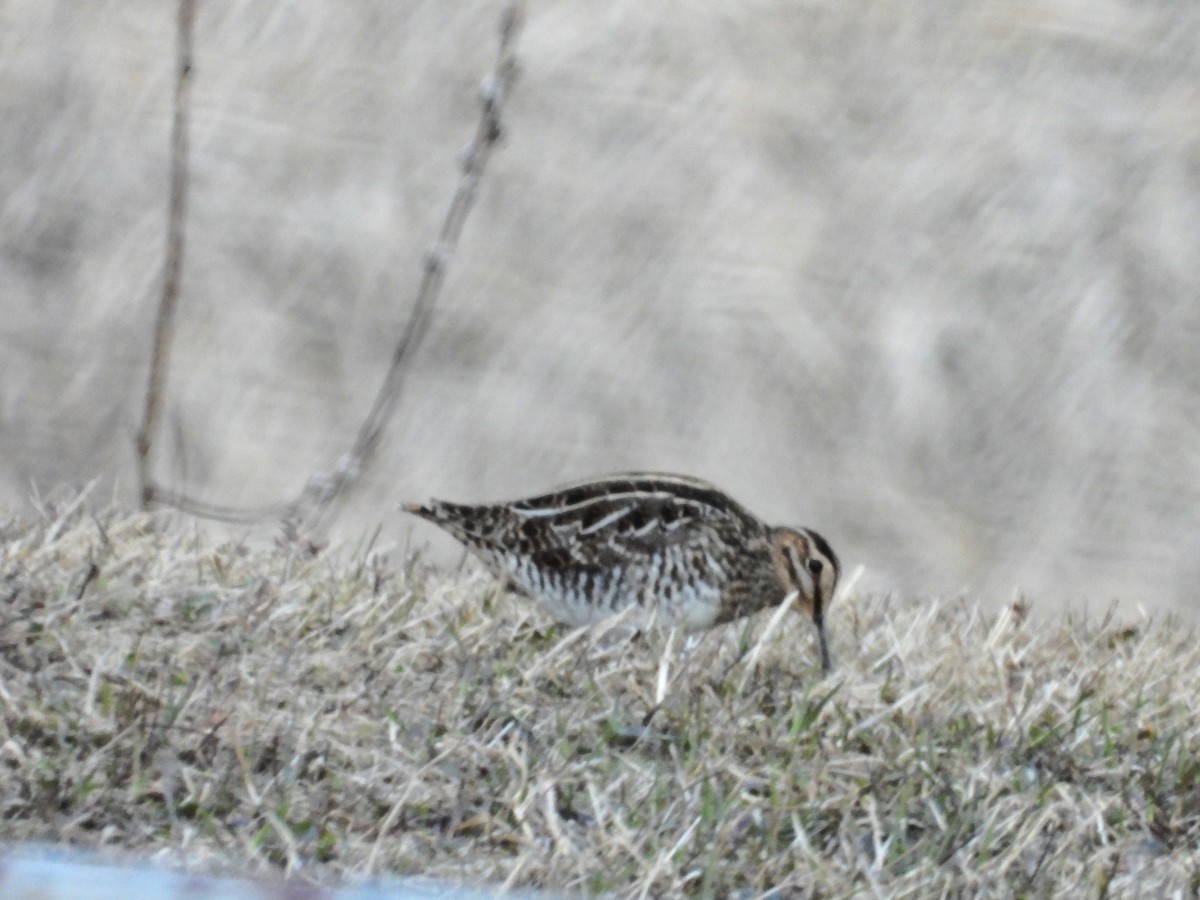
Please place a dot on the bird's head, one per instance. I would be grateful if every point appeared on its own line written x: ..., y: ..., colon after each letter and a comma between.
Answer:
x: 806, y: 565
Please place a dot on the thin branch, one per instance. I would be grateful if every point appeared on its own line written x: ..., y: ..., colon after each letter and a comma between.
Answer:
x: 315, y: 502
x: 164, y: 326
x: 216, y: 512
x: 493, y: 93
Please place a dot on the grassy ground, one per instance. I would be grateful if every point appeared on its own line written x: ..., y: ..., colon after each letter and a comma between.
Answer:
x: 349, y: 712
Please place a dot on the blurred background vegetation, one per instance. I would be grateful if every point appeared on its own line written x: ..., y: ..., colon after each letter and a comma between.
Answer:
x: 922, y: 276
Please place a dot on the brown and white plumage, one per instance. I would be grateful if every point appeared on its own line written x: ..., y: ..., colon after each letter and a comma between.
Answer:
x: 675, y: 547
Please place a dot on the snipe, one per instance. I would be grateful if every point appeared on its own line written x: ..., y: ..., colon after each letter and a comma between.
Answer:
x: 675, y: 547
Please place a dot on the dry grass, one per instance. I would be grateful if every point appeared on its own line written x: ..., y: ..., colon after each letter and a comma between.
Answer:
x: 353, y: 713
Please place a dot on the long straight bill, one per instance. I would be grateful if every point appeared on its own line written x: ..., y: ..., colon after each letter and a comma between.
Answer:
x: 818, y: 617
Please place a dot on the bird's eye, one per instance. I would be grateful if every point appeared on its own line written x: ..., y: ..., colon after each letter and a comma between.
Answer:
x: 815, y: 566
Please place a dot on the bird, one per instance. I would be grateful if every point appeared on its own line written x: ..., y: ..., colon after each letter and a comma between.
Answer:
x: 676, y: 548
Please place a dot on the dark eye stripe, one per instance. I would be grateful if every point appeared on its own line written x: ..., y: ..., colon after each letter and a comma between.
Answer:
x: 825, y: 550
x: 818, y: 601
x: 789, y: 555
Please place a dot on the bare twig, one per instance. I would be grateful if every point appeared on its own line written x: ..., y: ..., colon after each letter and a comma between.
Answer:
x: 314, y: 505
x: 231, y: 514
x: 164, y: 326
x: 492, y: 94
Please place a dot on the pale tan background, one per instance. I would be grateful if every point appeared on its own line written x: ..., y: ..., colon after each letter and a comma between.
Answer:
x: 924, y: 275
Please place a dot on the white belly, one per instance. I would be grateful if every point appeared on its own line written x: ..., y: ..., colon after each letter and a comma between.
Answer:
x: 634, y: 595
